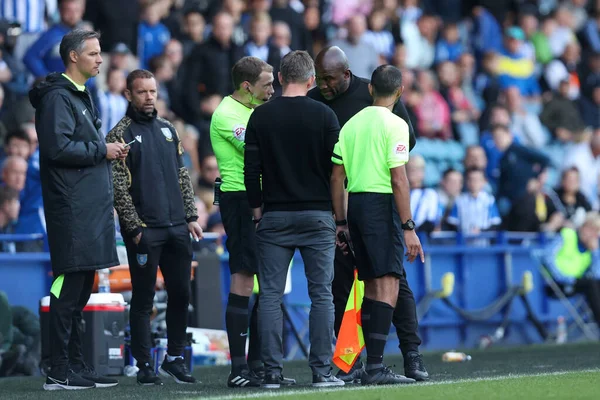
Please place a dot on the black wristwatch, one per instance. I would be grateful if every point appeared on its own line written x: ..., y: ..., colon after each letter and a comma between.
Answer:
x: 408, y: 225
x: 342, y: 222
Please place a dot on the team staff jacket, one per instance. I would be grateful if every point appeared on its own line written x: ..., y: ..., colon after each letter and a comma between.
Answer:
x: 152, y: 187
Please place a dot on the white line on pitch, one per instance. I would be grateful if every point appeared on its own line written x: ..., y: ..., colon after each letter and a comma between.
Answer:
x: 301, y: 391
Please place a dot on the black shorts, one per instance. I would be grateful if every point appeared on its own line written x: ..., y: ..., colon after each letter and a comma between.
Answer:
x: 376, y: 232
x: 239, y: 227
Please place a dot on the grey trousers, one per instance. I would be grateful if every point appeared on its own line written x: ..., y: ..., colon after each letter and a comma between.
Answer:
x: 278, y: 235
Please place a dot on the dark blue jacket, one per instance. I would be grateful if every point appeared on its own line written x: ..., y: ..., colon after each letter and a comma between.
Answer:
x: 31, y: 215
x: 517, y: 168
x: 43, y: 57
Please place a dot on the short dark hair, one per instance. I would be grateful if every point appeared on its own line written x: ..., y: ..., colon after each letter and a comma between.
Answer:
x: 138, y: 74
x: 449, y: 171
x: 74, y: 41
x: 474, y: 170
x: 385, y: 80
x: 297, y: 67
x: 248, y: 69
x: 8, y: 194
x: 157, y: 62
x: 496, y: 127
x: 16, y: 134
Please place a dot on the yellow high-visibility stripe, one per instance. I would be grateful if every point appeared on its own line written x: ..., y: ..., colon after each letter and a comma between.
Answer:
x: 57, y: 286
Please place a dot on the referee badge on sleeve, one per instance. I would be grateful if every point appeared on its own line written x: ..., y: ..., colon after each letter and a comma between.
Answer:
x: 239, y: 132
x: 400, y: 150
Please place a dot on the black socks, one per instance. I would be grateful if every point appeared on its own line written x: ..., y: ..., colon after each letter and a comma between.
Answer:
x: 236, y: 322
x: 376, y: 321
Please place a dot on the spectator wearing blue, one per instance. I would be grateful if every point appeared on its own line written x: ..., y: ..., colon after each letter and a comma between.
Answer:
x: 16, y: 143
x: 518, y: 166
x: 515, y: 68
x: 475, y: 210
x: 31, y: 217
x: 153, y: 36
x: 43, y: 56
x: 499, y: 115
x: 424, y: 202
x: 486, y: 34
x: 449, y: 47
x: 9, y: 211
x: 573, y: 260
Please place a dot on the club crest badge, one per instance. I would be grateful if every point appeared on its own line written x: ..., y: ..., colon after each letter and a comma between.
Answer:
x: 142, y: 259
x: 139, y: 138
x: 167, y: 133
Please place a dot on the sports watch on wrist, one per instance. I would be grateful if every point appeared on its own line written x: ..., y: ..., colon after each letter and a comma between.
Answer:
x: 342, y: 222
x: 408, y: 225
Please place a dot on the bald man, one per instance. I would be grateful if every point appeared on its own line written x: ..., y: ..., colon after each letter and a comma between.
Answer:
x: 346, y: 94
x: 14, y: 171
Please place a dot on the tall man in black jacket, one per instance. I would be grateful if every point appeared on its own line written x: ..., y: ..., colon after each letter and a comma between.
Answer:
x: 348, y: 94
x: 155, y: 202
x: 77, y: 190
x: 289, y: 142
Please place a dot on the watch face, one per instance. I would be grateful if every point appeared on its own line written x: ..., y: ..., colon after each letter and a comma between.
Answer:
x: 410, y: 224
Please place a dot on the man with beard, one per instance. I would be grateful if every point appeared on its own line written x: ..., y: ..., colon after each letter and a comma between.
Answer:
x: 157, y: 214
x: 347, y: 94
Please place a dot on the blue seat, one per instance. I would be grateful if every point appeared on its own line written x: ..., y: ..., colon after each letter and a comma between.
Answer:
x: 432, y: 174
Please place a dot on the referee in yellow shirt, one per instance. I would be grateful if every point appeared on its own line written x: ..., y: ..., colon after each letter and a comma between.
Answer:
x: 371, y: 152
x: 253, y: 82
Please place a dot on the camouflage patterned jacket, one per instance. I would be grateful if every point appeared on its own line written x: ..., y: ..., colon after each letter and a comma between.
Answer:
x: 152, y: 187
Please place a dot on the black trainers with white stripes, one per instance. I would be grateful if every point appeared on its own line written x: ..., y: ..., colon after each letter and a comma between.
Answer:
x: 243, y: 378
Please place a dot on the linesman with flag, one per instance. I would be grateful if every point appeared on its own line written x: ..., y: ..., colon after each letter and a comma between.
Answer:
x: 372, y: 151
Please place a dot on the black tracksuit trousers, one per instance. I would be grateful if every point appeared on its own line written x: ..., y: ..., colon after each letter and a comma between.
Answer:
x: 171, y: 249
x: 66, y: 315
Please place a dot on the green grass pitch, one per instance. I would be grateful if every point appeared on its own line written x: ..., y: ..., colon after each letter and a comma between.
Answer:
x: 541, y: 372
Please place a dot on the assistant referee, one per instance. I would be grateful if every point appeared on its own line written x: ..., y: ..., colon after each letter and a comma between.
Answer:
x: 347, y: 94
x: 372, y: 151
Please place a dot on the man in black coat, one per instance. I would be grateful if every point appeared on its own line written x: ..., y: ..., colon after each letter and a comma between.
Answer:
x: 346, y: 94
x: 77, y: 189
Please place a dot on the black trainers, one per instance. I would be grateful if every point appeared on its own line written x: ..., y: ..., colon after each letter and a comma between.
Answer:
x: 88, y: 372
x: 243, y: 378
x: 321, y: 381
x: 275, y: 381
x: 414, y: 367
x: 177, y: 370
x: 259, y: 373
x: 146, y: 376
x: 383, y: 376
x: 71, y: 381
x: 354, y: 375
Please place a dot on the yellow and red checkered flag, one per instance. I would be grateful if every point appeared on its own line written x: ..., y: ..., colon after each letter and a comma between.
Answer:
x: 350, y: 341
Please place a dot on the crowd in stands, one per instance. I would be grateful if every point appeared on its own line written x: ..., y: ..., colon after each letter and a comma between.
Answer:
x: 504, y: 95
